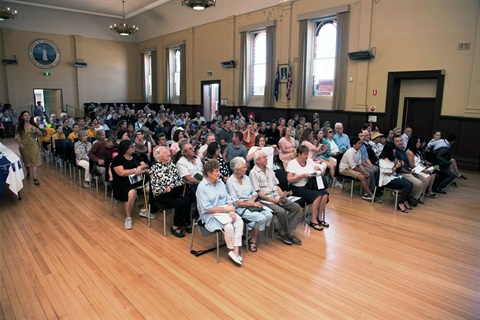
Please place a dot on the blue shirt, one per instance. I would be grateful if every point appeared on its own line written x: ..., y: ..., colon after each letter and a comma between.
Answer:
x: 209, y: 196
x: 342, y: 141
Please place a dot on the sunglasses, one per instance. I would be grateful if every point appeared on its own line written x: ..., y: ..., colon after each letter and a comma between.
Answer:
x: 330, y: 131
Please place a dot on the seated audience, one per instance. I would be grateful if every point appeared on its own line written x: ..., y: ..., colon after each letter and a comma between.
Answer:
x: 82, y: 147
x: 442, y: 158
x: 249, y: 136
x: 341, y: 139
x: 74, y: 134
x: 213, y: 153
x: 169, y: 190
x: 260, y: 144
x: 101, y: 153
x: 265, y: 184
x: 286, y: 147
x: 325, y: 152
x: 391, y: 179
x: 189, y: 166
x: 177, y: 136
x: 241, y: 190
x: 202, y: 151
x: 299, y: 171
x: 415, y: 160
x: 351, y: 165
x: 125, y: 166
x: 408, y: 172
x: 143, y: 148
x: 213, y: 199
x: 235, y: 148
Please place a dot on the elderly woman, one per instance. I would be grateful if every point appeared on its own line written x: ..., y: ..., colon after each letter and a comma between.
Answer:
x: 241, y: 190
x: 213, y: 153
x: 217, y: 211
x: 127, y: 168
x: 82, y: 148
x: 299, y: 171
x: 168, y: 189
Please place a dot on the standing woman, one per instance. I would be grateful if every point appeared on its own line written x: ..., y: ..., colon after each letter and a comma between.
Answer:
x: 26, y: 137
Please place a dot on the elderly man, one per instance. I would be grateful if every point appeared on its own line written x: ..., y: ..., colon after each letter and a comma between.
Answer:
x: 407, y: 172
x: 101, y: 154
x: 340, y: 138
x: 266, y: 185
x: 407, y: 134
x: 202, y: 151
x: 190, y: 167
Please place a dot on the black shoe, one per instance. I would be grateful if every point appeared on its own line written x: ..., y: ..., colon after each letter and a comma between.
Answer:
x: 413, y: 202
x: 462, y: 177
x: 441, y: 191
x: 177, y: 232
x: 188, y: 229
x: 454, y: 184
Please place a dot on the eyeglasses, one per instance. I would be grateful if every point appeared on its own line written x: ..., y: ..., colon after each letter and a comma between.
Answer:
x: 191, y: 148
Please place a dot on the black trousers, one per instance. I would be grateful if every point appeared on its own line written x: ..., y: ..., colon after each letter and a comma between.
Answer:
x: 403, y: 185
x: 182, y: 205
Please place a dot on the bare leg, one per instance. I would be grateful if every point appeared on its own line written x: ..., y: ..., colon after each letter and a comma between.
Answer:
x: 34, y: 172
x: 365, y: 184
x: 130, y: 203
x: 315, y: 208
x: 255, y: 234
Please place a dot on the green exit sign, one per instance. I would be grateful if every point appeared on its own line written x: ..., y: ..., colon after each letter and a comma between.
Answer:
x: 47, y: 74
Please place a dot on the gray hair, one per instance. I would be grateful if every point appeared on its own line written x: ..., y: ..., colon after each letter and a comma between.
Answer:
x: 98, y: 133
x: 257, y: 154
x: 337, y: 125
x: 81, y: 133
x: 236, y: 163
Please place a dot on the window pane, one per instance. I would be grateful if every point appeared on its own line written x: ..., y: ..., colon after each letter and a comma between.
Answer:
x: 176, y: 76
x: 148, y: 76
x: 259, y: 63
x: 324, y: 58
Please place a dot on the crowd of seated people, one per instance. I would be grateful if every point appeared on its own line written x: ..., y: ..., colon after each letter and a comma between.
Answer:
x: 226, y: 166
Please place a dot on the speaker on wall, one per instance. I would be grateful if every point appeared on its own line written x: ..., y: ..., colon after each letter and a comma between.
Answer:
x: 228, y: 64
x: 361, y: 55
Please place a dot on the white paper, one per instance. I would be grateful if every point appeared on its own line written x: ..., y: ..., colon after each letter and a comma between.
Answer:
x: 419, y: 168
x: 320, y: 183
x: 293, y: 198
x: 267, y: 209
x: 223, y: 218
x: 266, y: 202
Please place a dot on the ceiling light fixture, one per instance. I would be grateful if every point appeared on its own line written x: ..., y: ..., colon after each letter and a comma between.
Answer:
x: 123, y: 28
x: 199, y: 4
x: 6, y: 13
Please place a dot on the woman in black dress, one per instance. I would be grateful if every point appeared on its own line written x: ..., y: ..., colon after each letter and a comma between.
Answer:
x: 126, y: 169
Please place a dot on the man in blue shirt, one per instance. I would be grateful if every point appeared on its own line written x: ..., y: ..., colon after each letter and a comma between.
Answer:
x: 341, y: 139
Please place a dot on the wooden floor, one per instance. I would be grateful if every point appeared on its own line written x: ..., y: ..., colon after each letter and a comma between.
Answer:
x: 64, y: 256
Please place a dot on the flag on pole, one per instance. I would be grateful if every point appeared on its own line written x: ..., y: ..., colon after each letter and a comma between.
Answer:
x: 289, y: 82
x: 277, y: 84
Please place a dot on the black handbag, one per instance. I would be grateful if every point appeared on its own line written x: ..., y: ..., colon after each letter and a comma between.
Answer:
x: 312, y: 183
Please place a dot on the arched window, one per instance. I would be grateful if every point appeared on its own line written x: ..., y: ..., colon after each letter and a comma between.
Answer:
x: 323, y: 72
x: 259, y: 63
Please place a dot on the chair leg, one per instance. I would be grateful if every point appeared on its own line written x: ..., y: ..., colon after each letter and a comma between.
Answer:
x: 218, y: 245
x: 194, y: 223
x: 352, y: 182
x: 374, y: 193
x: 164, y: 222
x: 111, y: 205
x: 396, y: 199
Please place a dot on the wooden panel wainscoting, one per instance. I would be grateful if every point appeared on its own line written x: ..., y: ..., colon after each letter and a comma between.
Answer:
x: 63, y: 256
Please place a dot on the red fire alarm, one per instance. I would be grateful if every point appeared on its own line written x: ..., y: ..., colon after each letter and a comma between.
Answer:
x: 374, y: 92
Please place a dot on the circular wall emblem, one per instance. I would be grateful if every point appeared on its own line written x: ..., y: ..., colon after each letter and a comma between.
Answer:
x: 44, y: 54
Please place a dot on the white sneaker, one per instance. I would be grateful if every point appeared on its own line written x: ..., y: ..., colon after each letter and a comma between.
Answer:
x: 338, y: 185
x: 367, y: 197
x: 128, y: 223
x: 235, y: 258
x: 144, y: 213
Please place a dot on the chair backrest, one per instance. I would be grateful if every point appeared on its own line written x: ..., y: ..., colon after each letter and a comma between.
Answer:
x: 60, y: 147
x: 69, y: 151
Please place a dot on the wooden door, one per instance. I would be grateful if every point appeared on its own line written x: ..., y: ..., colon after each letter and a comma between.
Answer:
x: 418, y: 113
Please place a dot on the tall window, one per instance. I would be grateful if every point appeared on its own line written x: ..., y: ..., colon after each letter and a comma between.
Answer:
x: 259, y: 63
x: 323, y: 72
x: 176, y: 72
x: 147, y: 73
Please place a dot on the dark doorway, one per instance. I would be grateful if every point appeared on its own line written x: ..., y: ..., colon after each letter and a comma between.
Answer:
x: 417, y: 114
x: 393, y: 93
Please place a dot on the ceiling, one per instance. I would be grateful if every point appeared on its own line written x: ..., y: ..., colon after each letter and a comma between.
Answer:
x: 108, y: 8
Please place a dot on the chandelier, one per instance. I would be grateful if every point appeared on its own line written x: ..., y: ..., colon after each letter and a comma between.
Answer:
x: 6, y: 13
x: 199, y: 4
x: 123, y: 28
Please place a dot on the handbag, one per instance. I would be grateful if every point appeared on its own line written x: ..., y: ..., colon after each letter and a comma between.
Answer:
x: 311, y: 184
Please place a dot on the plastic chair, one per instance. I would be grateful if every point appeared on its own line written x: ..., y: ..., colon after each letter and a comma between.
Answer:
x: 394, y: 192
x: 205, y: 233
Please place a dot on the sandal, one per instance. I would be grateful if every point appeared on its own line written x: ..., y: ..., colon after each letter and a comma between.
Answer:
x: 252, y: 246
x: 403, y: 210
x: 324, y: 224
x: 315, y: 226
x: 431, y: 194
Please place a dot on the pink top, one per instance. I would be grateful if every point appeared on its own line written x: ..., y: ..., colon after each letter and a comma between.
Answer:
x: 285, y: 157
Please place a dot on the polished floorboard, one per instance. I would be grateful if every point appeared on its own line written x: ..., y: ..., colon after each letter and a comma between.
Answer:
x: 64, y: 257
